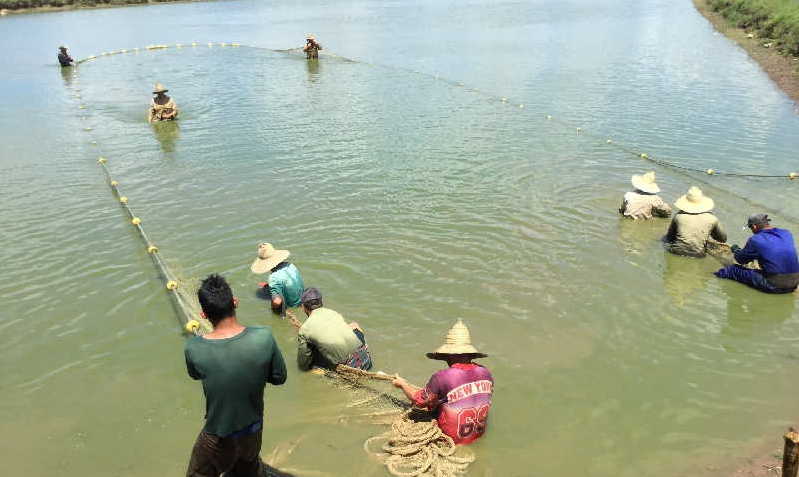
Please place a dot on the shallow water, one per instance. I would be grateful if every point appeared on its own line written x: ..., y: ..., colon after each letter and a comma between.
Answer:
x: 410, y: 202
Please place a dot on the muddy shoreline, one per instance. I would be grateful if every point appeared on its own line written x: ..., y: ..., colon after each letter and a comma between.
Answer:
x: 782, y: 69
x: 8, y: 8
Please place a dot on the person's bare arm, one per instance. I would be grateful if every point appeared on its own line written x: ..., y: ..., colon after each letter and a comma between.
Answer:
x: 409, y: 389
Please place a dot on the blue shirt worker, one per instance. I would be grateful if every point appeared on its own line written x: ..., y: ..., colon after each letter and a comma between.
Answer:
x: 235, y: 363
x: 284, y: 287
x: 774, y: 250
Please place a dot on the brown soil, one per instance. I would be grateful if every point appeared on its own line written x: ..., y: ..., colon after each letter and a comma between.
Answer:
x: 11, y: 7
x: 783, y: 70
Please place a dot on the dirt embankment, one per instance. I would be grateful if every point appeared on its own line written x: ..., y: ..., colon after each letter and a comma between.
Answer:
x: 767, y: 29
x: 30, y: 6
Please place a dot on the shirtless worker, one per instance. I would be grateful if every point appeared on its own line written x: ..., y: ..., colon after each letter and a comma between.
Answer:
x: 162, y: 107
x: 311, y: 47
x: 459, y: 395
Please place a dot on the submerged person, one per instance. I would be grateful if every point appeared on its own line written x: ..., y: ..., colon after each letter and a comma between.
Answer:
x: 694, y: 225
x: 774, y: 250
x: 311, y: 47
x: 162, y: 107
x: 63, y: 57
x: 234, y: 363
x: 459, y: 395
x: 284, y: 286
x: 643, y: 202
x: 326, y: 340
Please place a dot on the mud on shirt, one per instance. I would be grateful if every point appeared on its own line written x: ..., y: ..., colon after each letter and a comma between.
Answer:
x: 461, y: 396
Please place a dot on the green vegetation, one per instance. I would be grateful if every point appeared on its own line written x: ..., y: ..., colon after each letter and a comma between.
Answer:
x: 775, y: 20
x: 29, y: 4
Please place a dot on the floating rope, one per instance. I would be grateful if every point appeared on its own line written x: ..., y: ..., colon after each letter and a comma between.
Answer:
x: 417, y: 447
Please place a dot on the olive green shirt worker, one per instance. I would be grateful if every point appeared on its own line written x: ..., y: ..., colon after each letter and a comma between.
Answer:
x: 325, y: 339
x: 311, y: 47
x: 234, y: 363
x: 694, y: 225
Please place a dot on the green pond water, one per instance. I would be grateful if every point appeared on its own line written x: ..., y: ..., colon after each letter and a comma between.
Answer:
x: 410, y: 202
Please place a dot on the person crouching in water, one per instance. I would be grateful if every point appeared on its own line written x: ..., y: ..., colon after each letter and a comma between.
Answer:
x: 326, y: 340
x: 284, y: 286
x: 459, y: 395
x: 774, y: 250
x: 694, y: 225
x: 63, y: 57
x: 311, y: 48
x: 643, y: 203
x: 162, y: 107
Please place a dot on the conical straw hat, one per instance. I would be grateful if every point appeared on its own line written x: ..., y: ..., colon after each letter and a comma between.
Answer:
x: 310, y: 37
x: 159, y: 88
x: 694, y: 202
x: 459, y: 342
x: 268, y: 258
x: 645, y: 183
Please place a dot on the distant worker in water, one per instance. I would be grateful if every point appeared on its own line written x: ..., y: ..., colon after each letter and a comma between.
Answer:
x: 774, y: 250
x: 694, y: 225
x: 461, y: 394
x: 162, y: 107
x: 311, y: 47
x: 643, y: 202
x: 63, y: 57
x: 235, y: 363
x: 326, y: 340
x: 285, y: 286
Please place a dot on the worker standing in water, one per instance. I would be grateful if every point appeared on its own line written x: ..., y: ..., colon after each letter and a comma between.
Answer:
x: 644, y: 202
x: 63, y: 57
x: 234, y: 362
x: 694, y: 225
x: 311, y: 47
x: 774, y: 250
x: 285, y: 286
x: 162, y: 107
x: 459, y: 395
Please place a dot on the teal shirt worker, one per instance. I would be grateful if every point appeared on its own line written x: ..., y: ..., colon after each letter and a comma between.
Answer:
x: 286, y: 281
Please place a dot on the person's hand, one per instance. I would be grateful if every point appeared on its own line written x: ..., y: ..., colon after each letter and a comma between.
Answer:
x: 735, y: 248
x: 399, y: 382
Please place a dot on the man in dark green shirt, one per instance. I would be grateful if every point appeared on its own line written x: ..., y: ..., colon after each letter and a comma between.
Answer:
x: 234, y: 363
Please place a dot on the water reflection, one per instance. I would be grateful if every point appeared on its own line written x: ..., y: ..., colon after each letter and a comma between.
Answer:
x: 167, y: 133
x: 638, y: 236
x: 313, y: 67
x: 67, y: 74
x: 750, y: 312
x: 684, y: 276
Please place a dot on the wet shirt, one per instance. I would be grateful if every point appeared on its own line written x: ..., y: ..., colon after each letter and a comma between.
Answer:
x: 325, y: 340
x: 312, y: 52
x: 64, y: 59
x: 461, y: 395
x: 234, y: 372
x: 641, y: 206
x: 163, y: 112
x: 775, y: 251
x: 287, y: 282
x: 688, y: 233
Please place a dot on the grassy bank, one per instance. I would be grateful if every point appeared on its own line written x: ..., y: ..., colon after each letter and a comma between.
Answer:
x: 17, y: 6
x: 774, y: 20
x: 767, y: 29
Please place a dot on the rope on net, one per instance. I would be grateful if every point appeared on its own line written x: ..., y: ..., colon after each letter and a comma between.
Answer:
x: 580, y: 130
x: 415, y: 446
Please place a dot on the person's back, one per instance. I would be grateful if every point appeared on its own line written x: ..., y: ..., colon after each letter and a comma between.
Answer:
x: 325, y: 340
x: 286, y: 281
x: 464, y: 390
x: 234, y: 372
x: 689, y: 233
x: 63, y: 57
x: 642, y: 206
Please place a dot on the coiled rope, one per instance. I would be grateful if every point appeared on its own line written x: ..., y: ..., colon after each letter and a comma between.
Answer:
x: 415, y: 447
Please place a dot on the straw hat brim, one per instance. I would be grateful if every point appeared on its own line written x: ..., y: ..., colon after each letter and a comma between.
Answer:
x: 704, y: 205
x: 160, y: 91
x: 648, y: 187
x: 456, y: 350
x: 263, y: 265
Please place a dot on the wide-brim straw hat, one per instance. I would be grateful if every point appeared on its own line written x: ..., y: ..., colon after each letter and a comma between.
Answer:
x: 310, y: 37
x: 694, y: 202
x: 268, y: 258
x: 458, y: 342
x: 645, y: 183
x: 159, y: 88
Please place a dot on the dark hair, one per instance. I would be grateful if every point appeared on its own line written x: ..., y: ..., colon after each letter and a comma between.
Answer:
x: 216, y: 298
x: 313, y: 304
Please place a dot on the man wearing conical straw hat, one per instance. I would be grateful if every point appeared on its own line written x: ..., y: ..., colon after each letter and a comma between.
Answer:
x: 311, y: 47
x: 459, y: 395
x: 694, y: 225
x: 162, y: 107
x: 285, y: 286
x: 643, y: 203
